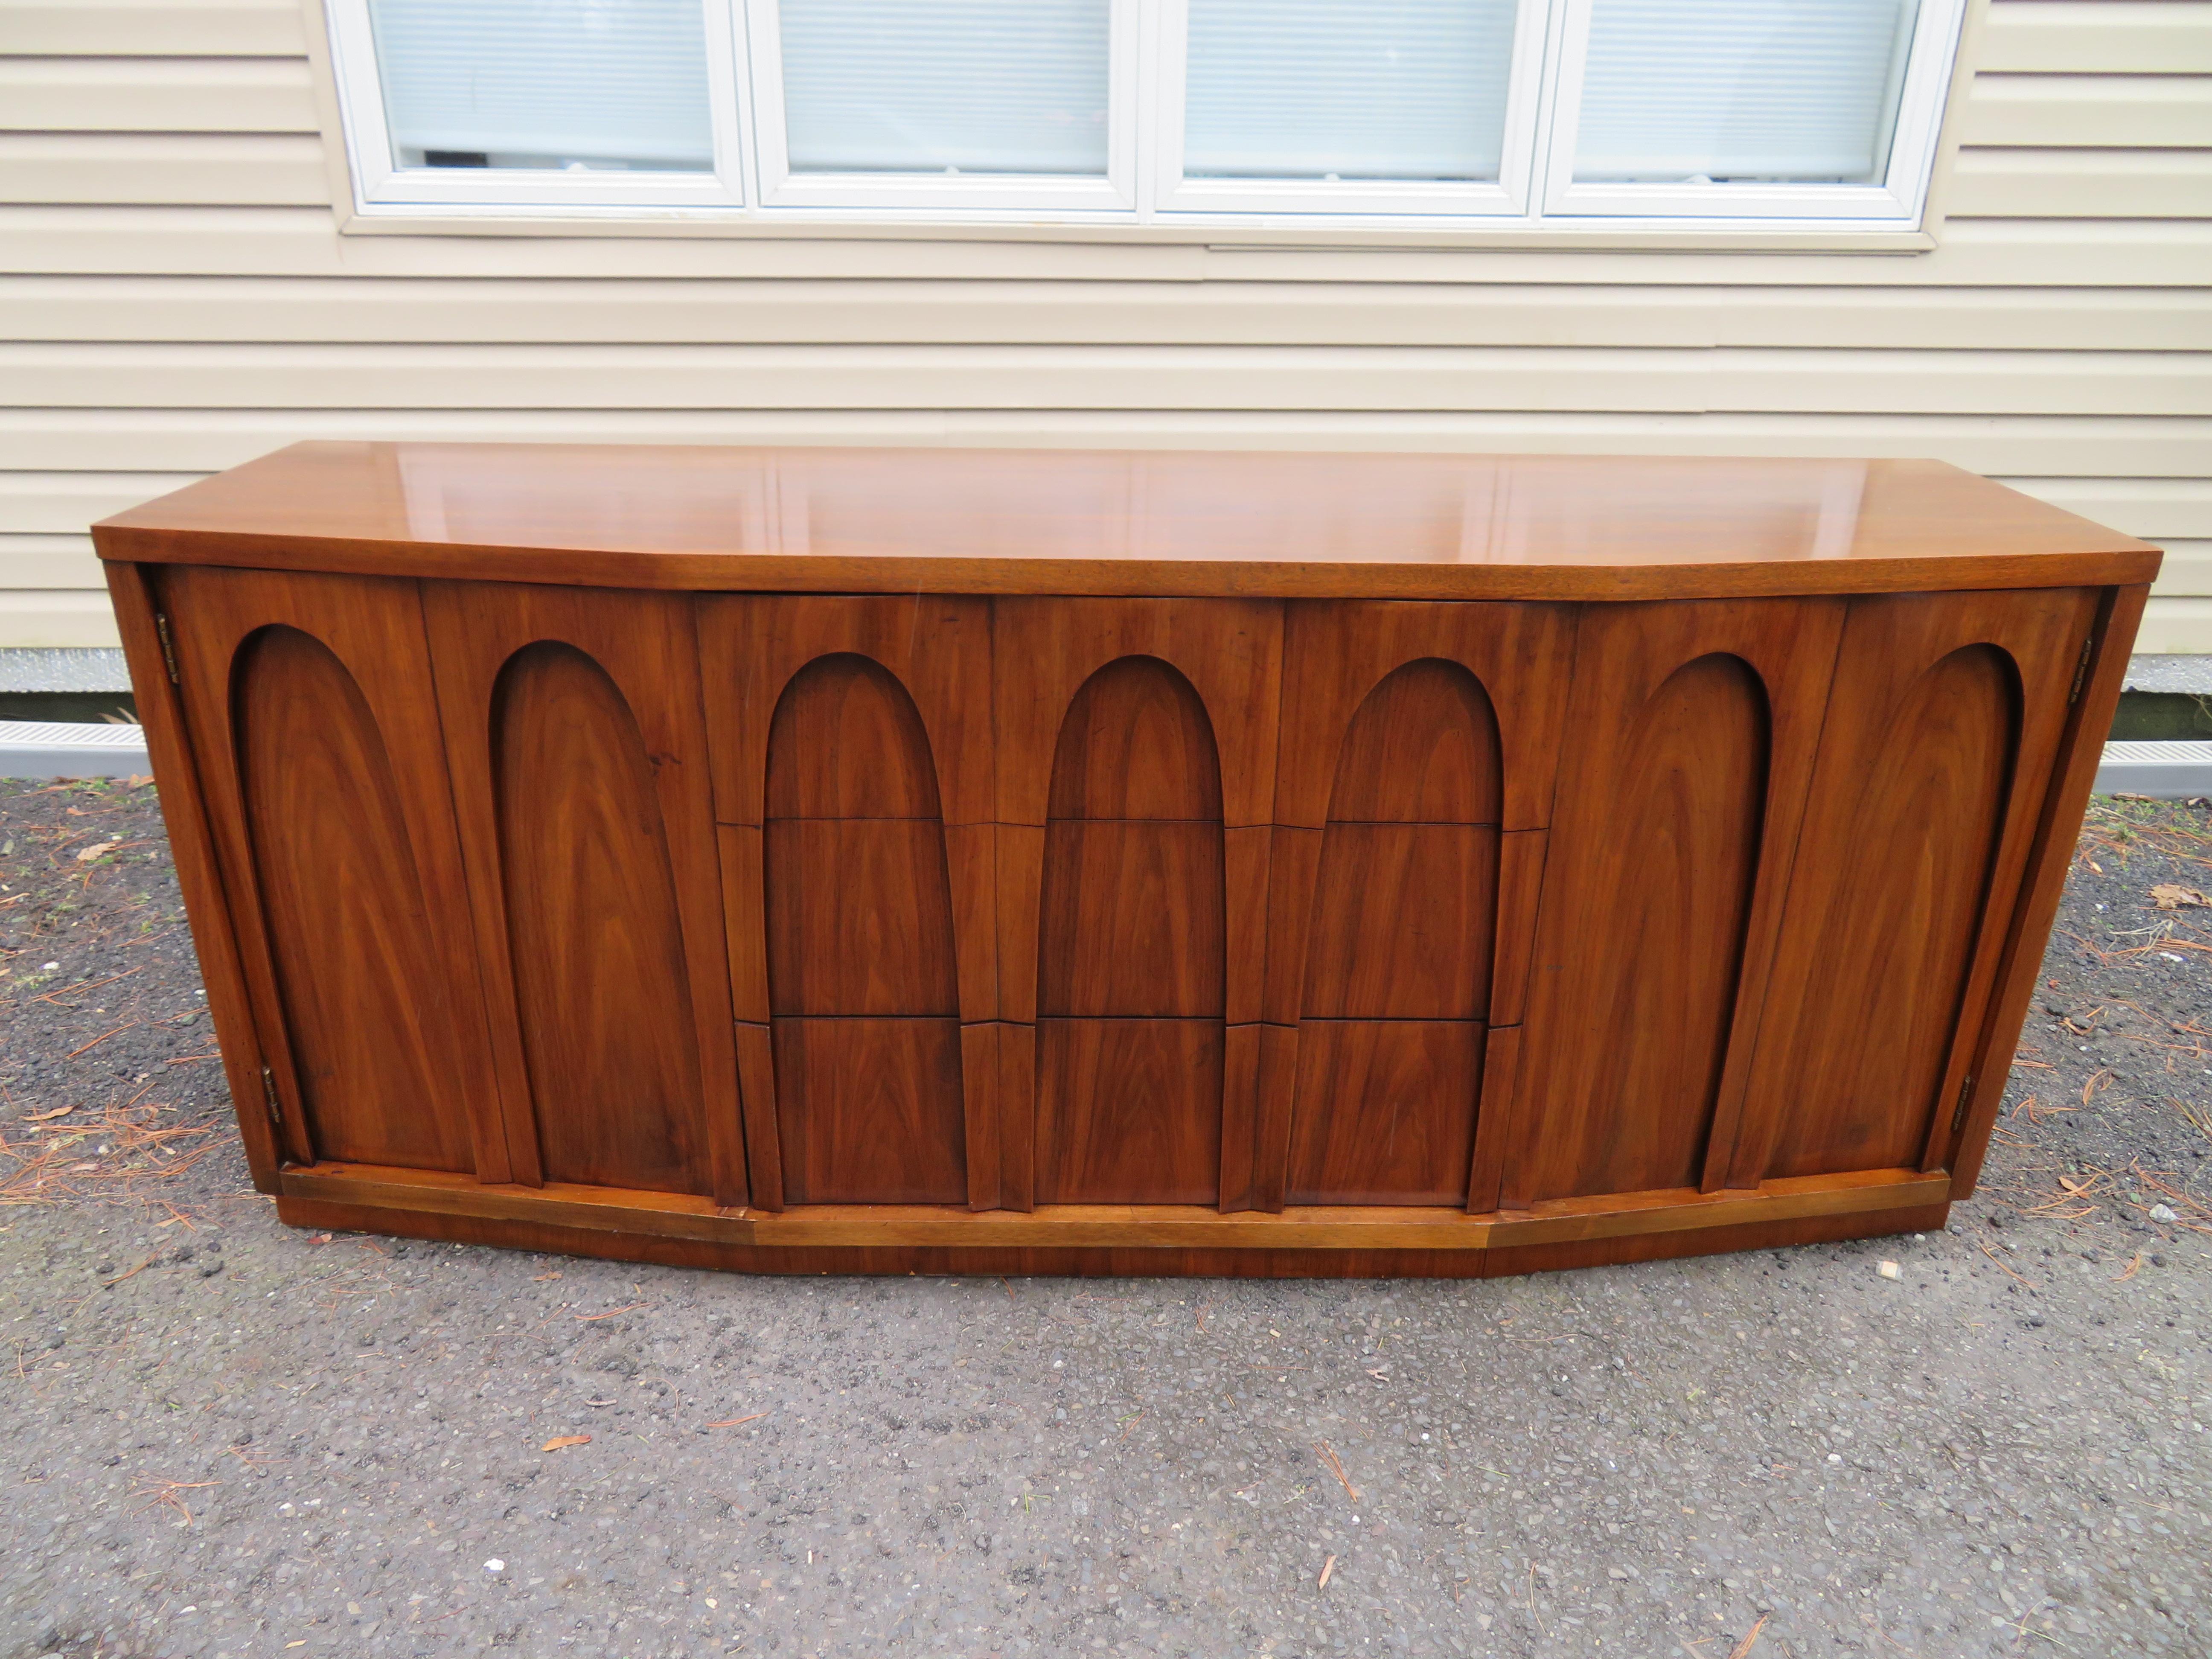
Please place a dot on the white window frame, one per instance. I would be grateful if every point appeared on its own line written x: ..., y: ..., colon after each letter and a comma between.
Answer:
x: 936, y: 195
x: 379, y: 183
x: 1301, y: 199
x: 752, y: 184
x: 1897, y: 199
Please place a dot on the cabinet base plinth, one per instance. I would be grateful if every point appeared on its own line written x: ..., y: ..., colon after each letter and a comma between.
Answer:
x: 1079, y: 1241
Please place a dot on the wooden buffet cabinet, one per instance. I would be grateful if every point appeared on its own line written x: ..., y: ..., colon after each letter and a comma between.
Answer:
x: 804, y: 860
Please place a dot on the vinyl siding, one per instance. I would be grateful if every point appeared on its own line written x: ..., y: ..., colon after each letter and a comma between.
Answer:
x: 176, y: 298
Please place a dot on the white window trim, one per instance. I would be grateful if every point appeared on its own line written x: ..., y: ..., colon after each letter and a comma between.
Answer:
x: 1535, y: 201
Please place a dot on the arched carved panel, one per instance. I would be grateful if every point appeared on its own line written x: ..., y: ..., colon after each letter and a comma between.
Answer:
x: 1133, y: 970
x: 1401, y: 927
x: 594, y: 937
x: 1649, y: 930
x: 847, y: 742
x: 862, y: 981
x: 372, y: 1049
x: 1422, y: 748
x: 1398, y: 950
x: 1136, y: 743
x: 1132, y: 906
x: 1897, y: 919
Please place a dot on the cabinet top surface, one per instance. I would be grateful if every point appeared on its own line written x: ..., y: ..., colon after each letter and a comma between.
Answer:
x: 1058, y: 521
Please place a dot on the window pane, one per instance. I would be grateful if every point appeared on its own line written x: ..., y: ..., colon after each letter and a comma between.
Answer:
x: 545, y: 83
x: 1325, y: 88
x: 1776, y: 91
x: 945, y: 85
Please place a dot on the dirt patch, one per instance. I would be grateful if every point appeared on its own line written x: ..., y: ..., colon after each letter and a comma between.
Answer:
x: 227, y: 1437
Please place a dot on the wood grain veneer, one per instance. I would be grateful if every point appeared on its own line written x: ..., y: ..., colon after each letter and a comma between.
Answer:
x: 873, y: 861
x: 982, y: 521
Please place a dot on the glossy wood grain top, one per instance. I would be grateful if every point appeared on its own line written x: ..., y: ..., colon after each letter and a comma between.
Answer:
x: 1113, y: 522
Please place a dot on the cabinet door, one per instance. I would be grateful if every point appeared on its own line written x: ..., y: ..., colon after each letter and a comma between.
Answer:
x: 1135, y: 775
x: 309, y: 705
x: 579, y: 759
x: 1942, y: 724
x: 1688, y: 749
x: 1413, y: 793
x: 852, y: 779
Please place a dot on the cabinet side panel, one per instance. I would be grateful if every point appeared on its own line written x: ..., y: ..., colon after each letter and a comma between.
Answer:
x: 184, y: 807
x: 2059, y: 826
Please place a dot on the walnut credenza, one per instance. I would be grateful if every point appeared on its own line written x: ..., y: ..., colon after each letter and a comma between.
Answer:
x: 808, y: 860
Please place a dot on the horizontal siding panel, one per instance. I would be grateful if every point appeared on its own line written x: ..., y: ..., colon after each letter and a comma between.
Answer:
x: 217, y: 169
x: 56, y: 617
x: 2152, y: 508
x: 2182, y: 625
x: 2160, y: 111
x: 157, y: 94
x: 302, y: 242
x: 151, y: 29
x: 337, y: 311
x: 2097, y: 37
x: 49, y: 562
x: 67, y: 502
x: 1971, y: 253
x: 207, y: 440
x: 1105, y: 377
x: 2187, y: 570
x: 2087, y: 184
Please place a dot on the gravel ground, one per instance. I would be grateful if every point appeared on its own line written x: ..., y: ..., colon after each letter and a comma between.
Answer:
x: 227, y: 1437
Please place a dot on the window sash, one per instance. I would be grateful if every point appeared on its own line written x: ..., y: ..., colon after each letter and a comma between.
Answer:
x: 1897, y: 200
x: 379, y: 182
x: 932, y: 194
x: 1175, y: 192
x: 1144, y: 183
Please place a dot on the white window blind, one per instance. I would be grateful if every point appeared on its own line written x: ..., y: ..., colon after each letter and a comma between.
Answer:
x: 1413, y: 89
x: 941, y: 86
x: 1742, y: 91
x: 545, y: 83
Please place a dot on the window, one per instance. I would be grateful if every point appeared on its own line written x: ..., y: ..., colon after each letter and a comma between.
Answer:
x: 1573, y: 114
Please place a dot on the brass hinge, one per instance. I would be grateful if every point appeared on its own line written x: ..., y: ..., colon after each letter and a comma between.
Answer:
x: 2082, y: 670
x: 269, y: 1101
x: 168, y: 651
x: 1966, y: 1094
